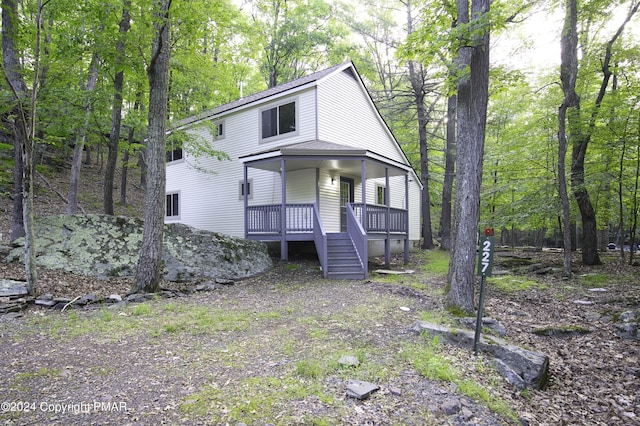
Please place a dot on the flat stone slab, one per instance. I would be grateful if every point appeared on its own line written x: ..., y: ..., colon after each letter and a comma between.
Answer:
x: 532, y: 367
x: 389, y: 272
x: 349, y: 361
x: 12, y: 288
x: 361, y: 390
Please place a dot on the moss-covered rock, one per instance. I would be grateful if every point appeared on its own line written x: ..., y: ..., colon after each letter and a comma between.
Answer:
x: 109, y: 246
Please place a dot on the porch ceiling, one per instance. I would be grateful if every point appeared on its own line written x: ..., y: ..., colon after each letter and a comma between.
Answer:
x: 344, y: 159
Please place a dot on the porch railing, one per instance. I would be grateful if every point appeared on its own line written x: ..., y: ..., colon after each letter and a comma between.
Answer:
x: 267, y: 219
x: 382, y: 219
x: 358, y: 236
x: 320, y: 240
x: 300, y: 218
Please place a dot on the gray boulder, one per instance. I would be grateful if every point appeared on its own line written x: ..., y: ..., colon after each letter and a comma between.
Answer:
x: 532, y: 367
x: 109, y: 246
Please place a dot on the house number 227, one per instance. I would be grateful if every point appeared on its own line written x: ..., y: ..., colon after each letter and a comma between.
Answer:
x: 485, y: 255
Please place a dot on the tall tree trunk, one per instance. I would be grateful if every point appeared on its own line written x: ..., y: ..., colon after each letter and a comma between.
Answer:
x: 579, y: 134
x: 473, y: 94
x: 562, y: 190
x: 23, y: 124
x: 142, y: 164
x: 417, y: 80
x: 125, y: 168
x: 150, y: 263
x: 81, y: 136
x: 17, y: 223
x: 635, y: 207
x: 13, y: 75
x: 125, y: 157
x: 449, y: 171
x: 568, y: 77
x: 116, y: 112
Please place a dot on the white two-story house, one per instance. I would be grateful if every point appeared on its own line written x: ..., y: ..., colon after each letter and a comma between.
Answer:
x: 309, y: 160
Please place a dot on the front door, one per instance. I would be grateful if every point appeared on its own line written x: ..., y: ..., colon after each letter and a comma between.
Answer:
x: 346, y: 196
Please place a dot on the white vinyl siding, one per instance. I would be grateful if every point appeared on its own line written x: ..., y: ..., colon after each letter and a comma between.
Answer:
x: 346, y: 116
x: 209, y: 187
x: 329, y: 200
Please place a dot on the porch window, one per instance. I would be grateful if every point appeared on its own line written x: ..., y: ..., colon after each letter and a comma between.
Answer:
x: 278, y: 120
x: 249, y: 189
x: 381, y: 195
x: 172, y: 205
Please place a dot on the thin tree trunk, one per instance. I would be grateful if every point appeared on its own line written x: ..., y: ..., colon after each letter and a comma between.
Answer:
x: 580, y: 135
x: 17, y: 224
x: 125, y: 168
x: 13, y: 75
x: 562, y: 190
x: 142, y: 164
x: 76, y: 164
x: 150, y: 263
x: 634, y: 207
x: 568, y: 76
x: 116, y: 112
x: 23, y: 124
x: 417, y: 80
x: 125, y: 157
x: 449, y: 172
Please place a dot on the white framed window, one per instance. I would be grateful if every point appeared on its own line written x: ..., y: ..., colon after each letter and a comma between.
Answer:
x: 279, y: 120
x: 381, y: 195
x: 174, y: 155
x: 249, y: 189
x: 172, y: 205
x: 220, y: 130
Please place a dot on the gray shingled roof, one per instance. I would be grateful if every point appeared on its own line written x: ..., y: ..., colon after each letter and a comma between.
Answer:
x: 309, y: 147
x: 262, y: 95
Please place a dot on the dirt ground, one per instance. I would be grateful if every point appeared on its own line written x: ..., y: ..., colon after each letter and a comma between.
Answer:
x: 264, y: 351
x: 129, y: 365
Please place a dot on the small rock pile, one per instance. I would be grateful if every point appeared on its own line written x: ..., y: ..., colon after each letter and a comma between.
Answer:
x: 14, y: 298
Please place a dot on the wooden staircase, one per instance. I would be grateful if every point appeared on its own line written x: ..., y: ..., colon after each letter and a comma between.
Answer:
x: 343, y: 262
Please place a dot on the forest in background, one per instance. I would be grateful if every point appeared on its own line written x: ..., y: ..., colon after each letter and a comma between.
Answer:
x: 92, y: 89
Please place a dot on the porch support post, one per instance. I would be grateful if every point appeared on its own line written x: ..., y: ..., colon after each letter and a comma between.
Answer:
x: 284, y: 246
x: 318, y: 187
x: 387, y: 242
x: 246, y: 201
x: 406, y: 206
x: 363, y: 178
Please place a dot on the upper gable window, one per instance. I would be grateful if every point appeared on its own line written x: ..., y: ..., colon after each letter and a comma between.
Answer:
x: 219, y: 130
x: 278, y: 120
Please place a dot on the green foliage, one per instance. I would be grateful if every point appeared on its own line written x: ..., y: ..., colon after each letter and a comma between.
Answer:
x: 596, y: 280
x: 298, y: 36
x: 429, y: 360
x: 512, y: 284
x: 436, y: 263
x: 142, y: 309
x: 310, y: 369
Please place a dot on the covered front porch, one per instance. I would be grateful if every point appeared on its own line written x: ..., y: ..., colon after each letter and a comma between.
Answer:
x: 341, y: 235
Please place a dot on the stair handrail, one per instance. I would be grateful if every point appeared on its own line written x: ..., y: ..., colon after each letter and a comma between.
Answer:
x: 359, y: 238
x: 320, y: 239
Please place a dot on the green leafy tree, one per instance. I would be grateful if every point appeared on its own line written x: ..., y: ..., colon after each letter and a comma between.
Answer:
x: 295, y: 36
x: 580, y: 128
